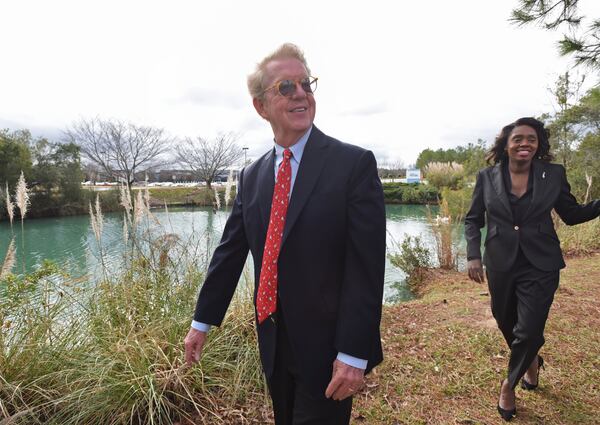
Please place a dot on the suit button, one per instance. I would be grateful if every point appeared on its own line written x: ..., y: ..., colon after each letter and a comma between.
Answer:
x: 516, y: 227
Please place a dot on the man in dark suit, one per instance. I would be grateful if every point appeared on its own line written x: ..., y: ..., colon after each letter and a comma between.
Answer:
x: 311, y: 212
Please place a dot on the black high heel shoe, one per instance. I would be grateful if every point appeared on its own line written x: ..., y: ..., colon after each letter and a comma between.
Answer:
x: 526, y: 385
x: 507, y: 414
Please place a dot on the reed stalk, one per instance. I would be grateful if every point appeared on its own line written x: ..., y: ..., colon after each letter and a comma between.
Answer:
x: 228, y: 187
x: 217, y: 200
x: 9, y: 262
x: 10, y: 208
x: 22, y: 201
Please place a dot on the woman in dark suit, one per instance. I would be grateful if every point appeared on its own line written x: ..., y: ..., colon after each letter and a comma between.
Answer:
x: 522, y: 252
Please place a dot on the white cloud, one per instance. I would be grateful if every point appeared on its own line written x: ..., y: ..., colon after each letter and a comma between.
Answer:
x: 393, y: 77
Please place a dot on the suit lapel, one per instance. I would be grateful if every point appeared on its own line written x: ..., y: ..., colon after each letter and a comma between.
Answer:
x: 313, y: 160
x: 266, y: 181
x: 498, y: 183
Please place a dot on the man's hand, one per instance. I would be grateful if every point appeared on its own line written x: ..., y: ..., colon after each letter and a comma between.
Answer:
x: 194, y: 342
x: 345, y: 381
x: 475, y: 270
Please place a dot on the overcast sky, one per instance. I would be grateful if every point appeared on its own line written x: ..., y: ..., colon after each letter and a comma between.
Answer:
x: 395, y: 77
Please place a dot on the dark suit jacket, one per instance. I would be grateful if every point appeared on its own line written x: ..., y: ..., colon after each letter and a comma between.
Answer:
x: 332, y: 259
x: 536, y: 234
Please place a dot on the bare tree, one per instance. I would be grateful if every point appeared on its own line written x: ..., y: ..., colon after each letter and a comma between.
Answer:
x: 120, y: 149
x: 207, y: 157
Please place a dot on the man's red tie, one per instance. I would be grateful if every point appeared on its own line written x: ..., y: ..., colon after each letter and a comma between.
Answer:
x: 266, y: 298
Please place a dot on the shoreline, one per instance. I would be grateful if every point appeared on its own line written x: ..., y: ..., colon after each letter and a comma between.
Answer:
x: 200, y: 196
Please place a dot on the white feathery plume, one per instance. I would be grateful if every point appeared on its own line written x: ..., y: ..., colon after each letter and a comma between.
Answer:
x: 147, y: 196
x: 125, y: 200
x: 228, y: 186
x: 93, y: 222
x: 138, y: 211
x: 125, y: 229
x: 10, y: 207
x: 99, y: 216
x: 147, y: 204
x: 217, y: 200
x: 22, y: 196
x: 9, y: 260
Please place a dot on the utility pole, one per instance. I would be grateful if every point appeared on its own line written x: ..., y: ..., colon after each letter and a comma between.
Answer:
x: 245, y: 149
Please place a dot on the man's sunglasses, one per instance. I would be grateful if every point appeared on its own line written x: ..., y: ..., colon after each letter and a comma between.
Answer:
x: 288, y: 87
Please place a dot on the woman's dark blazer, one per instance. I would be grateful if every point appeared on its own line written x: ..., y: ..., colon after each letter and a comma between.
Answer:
x: 535, y: 234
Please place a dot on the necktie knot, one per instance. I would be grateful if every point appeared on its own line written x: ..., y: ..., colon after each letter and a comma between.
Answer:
x: 287, y: 154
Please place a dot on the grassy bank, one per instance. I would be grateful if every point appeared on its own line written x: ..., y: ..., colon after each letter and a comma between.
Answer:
x: 403, y: 193
x: 53, y: 206
x: 120, y: 362
x: 182, y: 196
x: 445, y: 357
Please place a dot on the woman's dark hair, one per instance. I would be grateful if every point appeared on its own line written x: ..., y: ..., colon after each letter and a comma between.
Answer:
x: 497, y: 152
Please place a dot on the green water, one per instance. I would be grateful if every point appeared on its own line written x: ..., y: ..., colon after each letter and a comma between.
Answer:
x: 70, y: 242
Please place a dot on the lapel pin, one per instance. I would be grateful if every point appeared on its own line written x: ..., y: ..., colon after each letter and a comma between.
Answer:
x: 544, y: 175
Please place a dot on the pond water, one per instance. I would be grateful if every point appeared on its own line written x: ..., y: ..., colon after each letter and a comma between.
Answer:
x: 70, y: 241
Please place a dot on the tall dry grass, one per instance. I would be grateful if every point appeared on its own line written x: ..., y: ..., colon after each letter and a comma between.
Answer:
x: 582, y: 239
x: 74, y: 351
x: 444, y: 174
x: 446, y: 226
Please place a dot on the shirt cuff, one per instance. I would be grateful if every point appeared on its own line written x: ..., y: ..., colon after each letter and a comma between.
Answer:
x: 199, y: 326
x: 352, y: 361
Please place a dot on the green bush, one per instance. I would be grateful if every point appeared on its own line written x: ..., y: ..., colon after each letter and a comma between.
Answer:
x: 459, y: 202
x: 413, y: 259
x: 409, y: 193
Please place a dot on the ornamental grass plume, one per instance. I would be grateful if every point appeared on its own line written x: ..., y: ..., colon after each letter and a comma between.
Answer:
x: 217, y: 200
x: 147, y: 197
x: 139, y: 208
x: 125, y: 230
x: 22, y: 196
x: 97, y: 219
x: 9, y: 260
x: 444, y: 174
x: 147, y: 204
x: 10, y: 207
x: 228, y: 186
x: 99, y: 216
x: 22, y: 200
x: 125, y: 200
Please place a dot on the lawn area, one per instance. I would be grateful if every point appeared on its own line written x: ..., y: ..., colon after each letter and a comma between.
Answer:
x: 444, y: 357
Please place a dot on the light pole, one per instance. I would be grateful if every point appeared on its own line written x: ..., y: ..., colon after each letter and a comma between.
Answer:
x: 245, y: 149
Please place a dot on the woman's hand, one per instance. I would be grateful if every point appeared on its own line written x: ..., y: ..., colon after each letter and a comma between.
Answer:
x: 475, y: 270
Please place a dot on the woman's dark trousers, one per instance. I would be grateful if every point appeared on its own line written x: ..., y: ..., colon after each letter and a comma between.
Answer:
x: 521, y: 299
